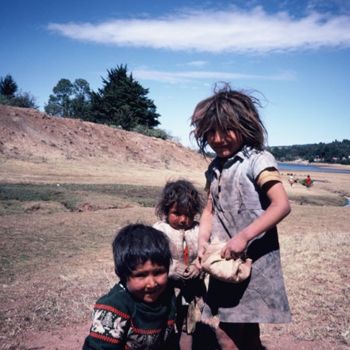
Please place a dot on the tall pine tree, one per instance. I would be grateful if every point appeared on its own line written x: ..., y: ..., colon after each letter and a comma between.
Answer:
x: 8, y: 86
x: 123, y: 102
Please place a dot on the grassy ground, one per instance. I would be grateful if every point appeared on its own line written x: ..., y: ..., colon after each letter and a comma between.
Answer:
x: 314, y: 246
x: 16, y: 198
x: 56, y: 257
x: 41, y: 222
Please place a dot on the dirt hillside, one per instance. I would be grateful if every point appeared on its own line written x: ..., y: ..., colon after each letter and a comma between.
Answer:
x: 27, y: 134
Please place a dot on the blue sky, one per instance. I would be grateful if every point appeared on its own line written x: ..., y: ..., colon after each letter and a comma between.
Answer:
x: 296, y: 54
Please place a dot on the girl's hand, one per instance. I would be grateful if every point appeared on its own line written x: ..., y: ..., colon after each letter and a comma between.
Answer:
x: 179, y: 271
x: 191, y: 272
x: 201, y: 251
x: 234, y: 248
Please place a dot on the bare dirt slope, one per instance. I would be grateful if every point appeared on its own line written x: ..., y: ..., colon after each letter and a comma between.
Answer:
x: 29, y: 134
x: 36, y: 147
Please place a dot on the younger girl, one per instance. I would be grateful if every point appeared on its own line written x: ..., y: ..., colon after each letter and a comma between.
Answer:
x: 246, y: 199
x: 177, y: 208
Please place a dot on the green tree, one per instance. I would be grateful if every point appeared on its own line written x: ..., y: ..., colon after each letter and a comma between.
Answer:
x: 334, y: 152
x: 8, y: 86
x: 123, y: 102
x: 80, y: 103
x: 59, y: 103
x: 70, y: 99
x: 10, y: 96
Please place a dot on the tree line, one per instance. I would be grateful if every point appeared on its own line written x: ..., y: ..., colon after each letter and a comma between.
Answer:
x: 333, y: 152
x: 121, y: 102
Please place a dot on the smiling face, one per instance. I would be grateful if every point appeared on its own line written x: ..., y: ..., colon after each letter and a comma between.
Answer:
x: 224, y: 143
x: 148, y: 281
x: 179, y: 220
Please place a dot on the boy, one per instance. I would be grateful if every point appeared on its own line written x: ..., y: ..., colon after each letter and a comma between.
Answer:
x: 139, y: 311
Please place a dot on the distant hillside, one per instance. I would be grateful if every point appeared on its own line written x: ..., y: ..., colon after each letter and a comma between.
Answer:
x: 334, y: 152
x: 28, y: 134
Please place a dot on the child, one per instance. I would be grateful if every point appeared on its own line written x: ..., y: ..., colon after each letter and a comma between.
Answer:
x: 308, y: 181
x: 139, y: 311
x: 177, y: 208
x: 246, y: 199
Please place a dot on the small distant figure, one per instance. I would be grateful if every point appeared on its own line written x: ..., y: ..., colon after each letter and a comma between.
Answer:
x: 291, y: 179
x: 139, y: 311
x: 308, y: 181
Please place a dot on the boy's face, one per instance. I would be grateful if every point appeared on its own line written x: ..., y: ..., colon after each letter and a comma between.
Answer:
x: 224, y: 143
x: 148, y: 281
x: 178, y: 220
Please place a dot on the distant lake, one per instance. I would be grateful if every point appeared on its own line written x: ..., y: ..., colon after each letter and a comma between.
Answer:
x: 310, y: 168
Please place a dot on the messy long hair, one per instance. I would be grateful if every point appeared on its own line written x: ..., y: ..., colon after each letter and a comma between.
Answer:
x: 184, y: 195
x: 226, y: 110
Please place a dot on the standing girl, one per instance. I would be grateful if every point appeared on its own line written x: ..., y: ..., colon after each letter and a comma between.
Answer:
x: 246, y: 199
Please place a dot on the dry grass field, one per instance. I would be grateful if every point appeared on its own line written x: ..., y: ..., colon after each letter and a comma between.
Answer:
x: 58, y: 216
x: 315, y: 242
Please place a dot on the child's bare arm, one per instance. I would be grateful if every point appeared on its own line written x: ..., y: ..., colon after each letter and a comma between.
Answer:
x: 276, y: 211
x: 204, y: 230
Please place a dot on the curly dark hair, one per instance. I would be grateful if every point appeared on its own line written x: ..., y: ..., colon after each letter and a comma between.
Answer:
x: 135, y: 244
x: 228, y: 110
x: 182, y: 193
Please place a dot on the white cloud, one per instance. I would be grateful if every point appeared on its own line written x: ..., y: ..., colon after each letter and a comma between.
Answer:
x: 188, y: 76
x: 217, y: 31
x: 197, y: 63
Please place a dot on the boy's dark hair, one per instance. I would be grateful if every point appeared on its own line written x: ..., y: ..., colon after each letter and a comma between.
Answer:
x: 182, y: 193
x: 228, y: 110
x: 135, y: 244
